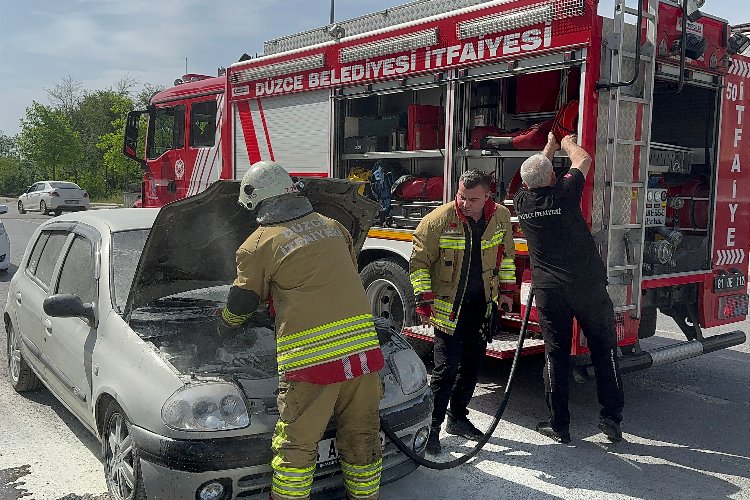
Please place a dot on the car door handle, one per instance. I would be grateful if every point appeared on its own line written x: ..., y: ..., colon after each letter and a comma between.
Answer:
x: 18, y: 298
x: 48, y: 326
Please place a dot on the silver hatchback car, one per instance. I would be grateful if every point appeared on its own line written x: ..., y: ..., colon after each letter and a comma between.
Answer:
x: 115, y: 312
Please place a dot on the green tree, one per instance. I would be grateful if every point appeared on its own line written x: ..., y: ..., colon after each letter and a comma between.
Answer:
x: 122, y: 170
x: 14, y: 173
x: 48, y: 141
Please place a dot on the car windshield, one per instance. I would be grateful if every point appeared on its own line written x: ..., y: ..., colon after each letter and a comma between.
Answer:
x: 127, y: 247
x: 64, y: 185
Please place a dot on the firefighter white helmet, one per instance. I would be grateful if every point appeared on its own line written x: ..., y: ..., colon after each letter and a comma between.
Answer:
x: 264, y: 179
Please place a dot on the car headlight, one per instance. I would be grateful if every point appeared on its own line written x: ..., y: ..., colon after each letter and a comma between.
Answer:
x: 409, y: 370
x: 206, y: 407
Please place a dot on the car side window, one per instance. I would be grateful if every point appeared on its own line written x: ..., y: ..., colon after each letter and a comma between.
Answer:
x: 47, y: 259
x: 77, y: 275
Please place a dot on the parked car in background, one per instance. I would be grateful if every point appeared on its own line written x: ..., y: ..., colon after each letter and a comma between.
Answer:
x: 115, y: 311
x: 4, y: 243
x: 53, y: 196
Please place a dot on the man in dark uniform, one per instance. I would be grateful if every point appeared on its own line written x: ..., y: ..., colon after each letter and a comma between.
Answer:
x: 569, y: 281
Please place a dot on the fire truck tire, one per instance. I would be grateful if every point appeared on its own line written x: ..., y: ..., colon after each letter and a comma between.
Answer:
x: 647, y: 326
x: 391, y: 296
x: 389, y: 291
x: 122, y: 471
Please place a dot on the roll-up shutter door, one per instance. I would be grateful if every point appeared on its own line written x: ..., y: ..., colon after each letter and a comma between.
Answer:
x: 290, y: 129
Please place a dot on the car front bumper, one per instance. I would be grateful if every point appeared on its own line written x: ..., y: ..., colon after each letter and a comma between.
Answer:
x: 177, y: 468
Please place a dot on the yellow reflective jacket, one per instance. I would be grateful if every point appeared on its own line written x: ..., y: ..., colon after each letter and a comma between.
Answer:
x: 308, y: 266
x: 440, y: 242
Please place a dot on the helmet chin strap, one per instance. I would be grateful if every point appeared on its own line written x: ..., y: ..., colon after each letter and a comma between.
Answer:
x: 282, y: 208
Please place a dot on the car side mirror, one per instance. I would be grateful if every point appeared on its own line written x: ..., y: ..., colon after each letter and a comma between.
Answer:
x: 67, y: 305
x: 3, y: 209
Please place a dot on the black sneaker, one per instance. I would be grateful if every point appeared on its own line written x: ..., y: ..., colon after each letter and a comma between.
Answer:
x: 611, y: 429
x: 464, y: 428
x: 433, y: 442
x: 546, y: 429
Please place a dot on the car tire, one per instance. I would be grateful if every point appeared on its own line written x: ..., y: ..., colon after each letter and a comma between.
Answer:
x: 43, y: 208
x: 20, y: 208
x: 122, y: 470
x: 58, y: 212
x: 22, y: 377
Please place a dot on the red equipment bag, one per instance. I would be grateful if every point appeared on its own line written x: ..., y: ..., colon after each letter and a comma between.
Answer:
x: 566, y: 120
x: 420, y: 189
x: 534, y: 137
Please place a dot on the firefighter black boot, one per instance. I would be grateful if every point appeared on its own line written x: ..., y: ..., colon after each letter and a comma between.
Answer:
x: 462, y: 427
x: 611, y: 429
x: 546, y: 429
x: 433, y: 441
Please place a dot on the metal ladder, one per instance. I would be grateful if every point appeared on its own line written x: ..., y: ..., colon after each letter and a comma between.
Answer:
x: 627, y: 153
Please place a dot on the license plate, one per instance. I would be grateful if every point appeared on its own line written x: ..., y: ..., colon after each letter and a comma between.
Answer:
x: 729, y: 282
x: 72, y: 202
x: 328, y: 453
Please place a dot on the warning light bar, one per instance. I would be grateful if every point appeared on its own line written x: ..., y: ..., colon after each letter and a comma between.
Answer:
x: 506, y: 21
x: 294, y: 66
x: 393, y: 45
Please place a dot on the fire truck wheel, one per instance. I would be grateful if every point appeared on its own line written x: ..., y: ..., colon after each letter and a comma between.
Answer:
x: 122, y: 471
x: 647, y: 326
x: 391, y: 296
x: 389, y: 291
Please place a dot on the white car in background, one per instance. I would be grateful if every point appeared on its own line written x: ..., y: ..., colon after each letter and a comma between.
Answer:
x: 53, y: 196
x: 4, y: 243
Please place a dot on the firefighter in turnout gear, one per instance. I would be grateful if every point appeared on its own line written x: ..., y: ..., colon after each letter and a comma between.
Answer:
x: 462, y: 271
x: 327, y: 348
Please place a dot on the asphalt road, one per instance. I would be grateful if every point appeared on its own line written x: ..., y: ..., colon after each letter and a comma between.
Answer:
x: 686, y: 430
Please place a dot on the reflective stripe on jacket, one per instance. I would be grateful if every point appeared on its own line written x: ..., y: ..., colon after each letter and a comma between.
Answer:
x: 322, y: 312
x: 440, y: 241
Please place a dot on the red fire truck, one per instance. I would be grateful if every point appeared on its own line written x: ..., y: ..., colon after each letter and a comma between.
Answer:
x: 415, y: 92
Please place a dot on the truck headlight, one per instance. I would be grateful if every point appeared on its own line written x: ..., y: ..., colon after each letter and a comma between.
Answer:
x: 206, y: 407
x: 409, y: 370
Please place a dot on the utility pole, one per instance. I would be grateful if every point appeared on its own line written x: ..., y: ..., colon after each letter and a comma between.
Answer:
x: 186, y: 71
x: 332, y: 2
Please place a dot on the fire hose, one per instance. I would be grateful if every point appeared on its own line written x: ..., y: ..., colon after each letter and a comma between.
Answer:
x: 406, y: 450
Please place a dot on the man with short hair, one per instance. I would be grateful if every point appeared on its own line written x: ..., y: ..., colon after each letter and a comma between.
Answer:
x: 462, y: 270
x: 569, y: 281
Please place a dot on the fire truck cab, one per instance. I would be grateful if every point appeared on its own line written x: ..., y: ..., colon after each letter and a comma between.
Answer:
x: 409, y: 98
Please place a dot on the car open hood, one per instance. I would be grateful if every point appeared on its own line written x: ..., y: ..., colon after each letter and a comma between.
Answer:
x: 193, y: 241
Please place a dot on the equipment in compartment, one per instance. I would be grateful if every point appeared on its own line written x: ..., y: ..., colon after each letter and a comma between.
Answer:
x: 408, y: 214
x: 669, y: 158
x: 426, y: 127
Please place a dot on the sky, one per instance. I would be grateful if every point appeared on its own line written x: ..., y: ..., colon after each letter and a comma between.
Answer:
x: 98, y: 42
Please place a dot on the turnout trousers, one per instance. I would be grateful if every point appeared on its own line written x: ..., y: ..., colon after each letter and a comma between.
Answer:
x: 592, y: 308
x: 457, y: 359
x: 304, y: 412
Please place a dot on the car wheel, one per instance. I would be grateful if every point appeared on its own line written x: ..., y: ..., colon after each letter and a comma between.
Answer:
x: 22, y: 377
x: 20, y: 208
x: 58, y: 212
x: 43, y: 208
x: 121, y: 465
